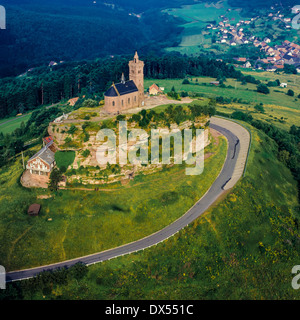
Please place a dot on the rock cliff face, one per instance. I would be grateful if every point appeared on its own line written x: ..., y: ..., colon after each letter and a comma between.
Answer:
x: 81, y: 137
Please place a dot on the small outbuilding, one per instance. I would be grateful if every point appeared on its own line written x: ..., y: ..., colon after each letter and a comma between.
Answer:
x: 155, y: 90
x: 34, y: 209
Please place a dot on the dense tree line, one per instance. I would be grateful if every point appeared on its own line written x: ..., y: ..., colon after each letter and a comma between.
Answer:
x: 40, y: 32
x: 47, y: 85
x: 36, y: 127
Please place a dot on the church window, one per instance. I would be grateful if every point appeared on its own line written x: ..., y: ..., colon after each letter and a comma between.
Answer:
x: 128, y: 100
x: 113, y: 103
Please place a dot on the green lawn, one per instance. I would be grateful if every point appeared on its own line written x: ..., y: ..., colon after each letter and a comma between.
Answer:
x: 64, y: 158
x: 12, y: 123
x: 85, y: 222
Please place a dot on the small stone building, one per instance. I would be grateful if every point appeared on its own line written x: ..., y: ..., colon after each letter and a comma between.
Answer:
x: 154, y: 90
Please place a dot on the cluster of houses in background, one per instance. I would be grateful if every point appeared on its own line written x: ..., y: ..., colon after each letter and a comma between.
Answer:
x: 286, y: 53
x: 277, y: 55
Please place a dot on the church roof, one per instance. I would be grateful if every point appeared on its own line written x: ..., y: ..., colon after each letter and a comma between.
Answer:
x: 121, y: 89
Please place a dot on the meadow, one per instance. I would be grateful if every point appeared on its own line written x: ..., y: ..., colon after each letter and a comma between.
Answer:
x: 197, y: 16
x: 281, y: 117
x: 10, y: 124
x: 242, y: 248
x: 74, y: 223
x: 233, y: 89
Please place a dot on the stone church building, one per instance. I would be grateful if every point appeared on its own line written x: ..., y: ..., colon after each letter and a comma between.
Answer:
x: 127, y: 94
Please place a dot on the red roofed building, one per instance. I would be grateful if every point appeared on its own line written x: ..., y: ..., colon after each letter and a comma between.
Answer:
x: 73, y: 101
x: 241, y: 59
x: 154, y: 90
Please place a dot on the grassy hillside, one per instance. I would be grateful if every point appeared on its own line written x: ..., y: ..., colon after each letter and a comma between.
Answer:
x: 10, y: 124
x: 195, y: 17
x: 244, y: 248
x: 234, y: 89
x: 84, y: 222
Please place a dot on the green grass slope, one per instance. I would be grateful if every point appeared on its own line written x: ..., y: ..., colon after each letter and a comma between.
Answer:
x: 244, y: 248
x: 74, y: 223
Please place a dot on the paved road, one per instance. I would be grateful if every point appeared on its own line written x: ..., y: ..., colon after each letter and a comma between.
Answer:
x: 197, y: 210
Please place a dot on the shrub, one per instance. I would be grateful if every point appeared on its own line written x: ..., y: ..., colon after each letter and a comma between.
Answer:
x: 86, y: 153
x: 185, y: 81
x: 262, y: 88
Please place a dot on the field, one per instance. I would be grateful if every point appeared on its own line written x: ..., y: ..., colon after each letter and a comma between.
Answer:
x: 10, y: 124
x: 74, y: 223
x: 244, y: 248
x: 197, y: 16
x: 280, y: 109
x: 281, y: 117
x: 237, y: 90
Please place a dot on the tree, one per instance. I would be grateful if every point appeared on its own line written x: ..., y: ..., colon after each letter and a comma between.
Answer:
x: 284, y: 156
x: 185, y: 81
x: 72, y: 129
x: 55, y: 178
x: 90, y: 103
x: 259, y: 108
x: 290, y: 93
x: 262, y: 88
x: 79, y: 271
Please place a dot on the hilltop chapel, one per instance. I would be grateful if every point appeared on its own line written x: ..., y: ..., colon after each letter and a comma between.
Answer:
x: 127, y: 94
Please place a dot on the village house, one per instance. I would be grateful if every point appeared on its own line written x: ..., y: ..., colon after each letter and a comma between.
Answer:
x: 154, y: 90
x: 42, y: 163
x: 73, y: 101
x: 247, y: 64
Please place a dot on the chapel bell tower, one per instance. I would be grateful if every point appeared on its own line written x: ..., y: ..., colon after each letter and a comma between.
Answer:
x: 136, y: 73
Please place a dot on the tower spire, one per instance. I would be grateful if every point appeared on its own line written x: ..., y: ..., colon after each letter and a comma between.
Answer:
x: 123, y: 78
x: 136, y: 57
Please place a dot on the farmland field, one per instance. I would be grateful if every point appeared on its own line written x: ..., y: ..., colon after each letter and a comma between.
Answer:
x: 197, y: 16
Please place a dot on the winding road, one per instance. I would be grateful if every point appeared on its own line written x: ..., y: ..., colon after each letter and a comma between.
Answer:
x: 238, y: 147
